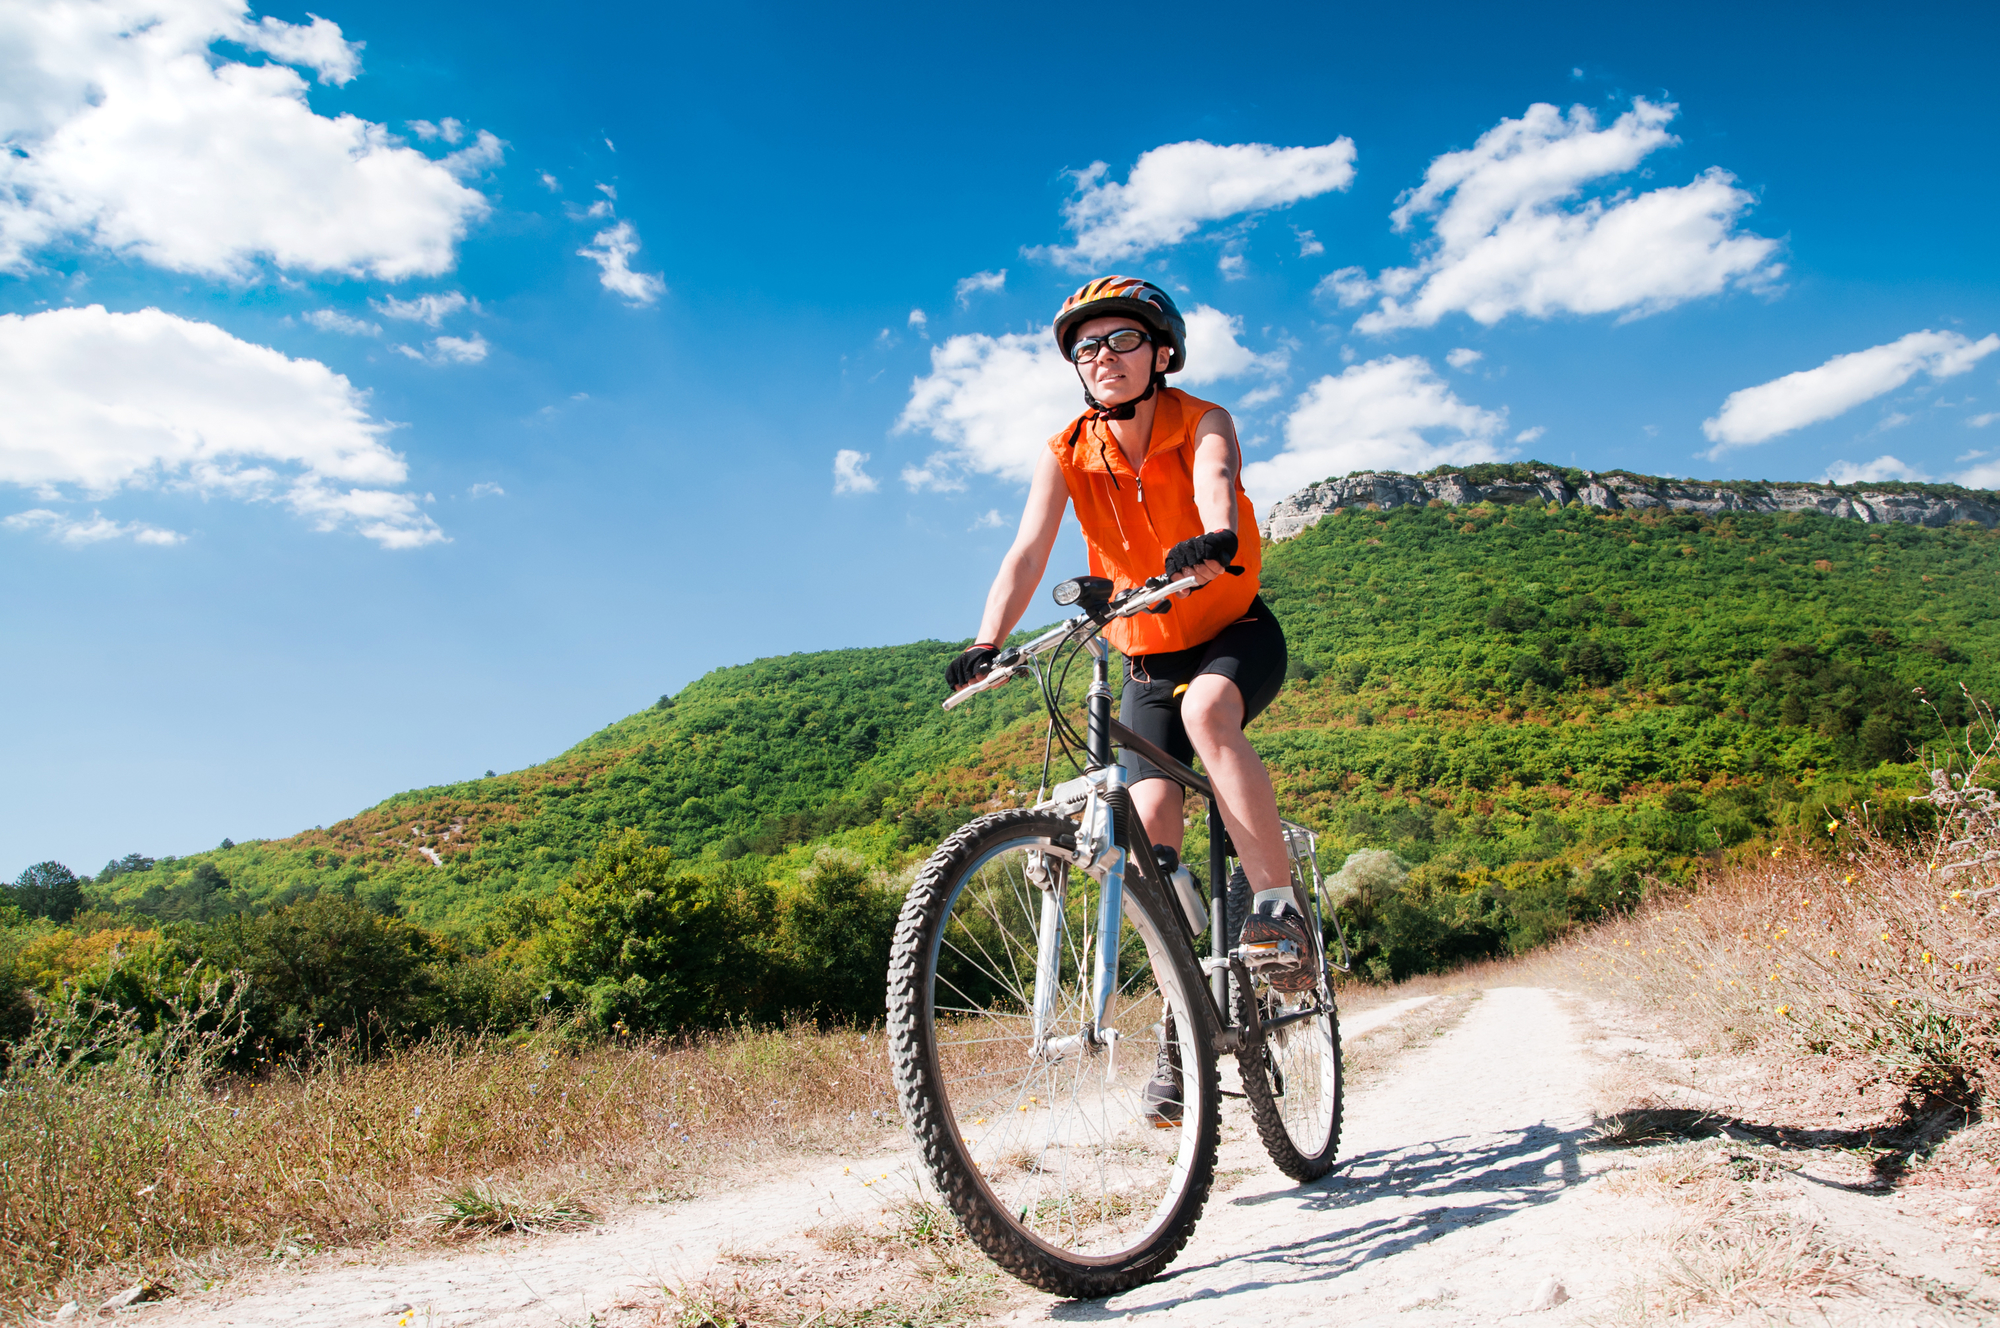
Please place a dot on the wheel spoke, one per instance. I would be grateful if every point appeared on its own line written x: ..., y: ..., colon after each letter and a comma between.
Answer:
x: 1055, y: 1132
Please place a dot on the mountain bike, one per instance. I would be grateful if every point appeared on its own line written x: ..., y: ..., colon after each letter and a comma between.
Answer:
x: 1046, y: 968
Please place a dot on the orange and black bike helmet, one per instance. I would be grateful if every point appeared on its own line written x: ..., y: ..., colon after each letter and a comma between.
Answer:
x: 1132, y: 298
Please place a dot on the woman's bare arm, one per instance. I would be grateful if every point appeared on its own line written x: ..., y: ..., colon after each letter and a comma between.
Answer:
x: 1217, y: 459
x: 1021, y: 570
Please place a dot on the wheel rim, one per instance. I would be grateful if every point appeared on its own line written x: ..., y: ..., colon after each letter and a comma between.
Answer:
x: 1305, y: 1070
x: 1059, y: 1142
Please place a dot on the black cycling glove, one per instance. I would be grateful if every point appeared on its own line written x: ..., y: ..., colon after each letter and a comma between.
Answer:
x: 1217, y: 544
x: 970, y: 666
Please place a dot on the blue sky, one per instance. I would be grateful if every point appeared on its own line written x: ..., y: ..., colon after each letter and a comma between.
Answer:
x: 406, y: 393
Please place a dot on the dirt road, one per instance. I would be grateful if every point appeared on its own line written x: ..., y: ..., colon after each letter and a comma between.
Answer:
x: 1466, y: 1195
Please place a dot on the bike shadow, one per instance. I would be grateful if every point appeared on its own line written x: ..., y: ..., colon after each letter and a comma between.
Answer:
x: 1512, y: 1171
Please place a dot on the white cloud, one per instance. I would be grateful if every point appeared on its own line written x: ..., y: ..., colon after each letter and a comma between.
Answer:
x: 332, y: 320
x: 128, y: 130
x: 1308, y: 246
x: 848, y: 476
x: 550, y: 183
x: 484, y: 152
x: 103, y: 402
x: 1755, y: 414
x: 612, y: 249
x: 1981, y: 421
x: 486, y: 489
x: 1530, y: 435
x: 447, y: 350
x: 1871, y: 472
x: 1506, y: 239
x: 979, y: 283
x: 319, y: 46
x: 430, y: 310
x: 1230, y: 265
x: 448, y: 129
x: 992, y: 520
x: 1980, y: 477
x: 460, y: 350
x: 1394, y: 413
x: 1464, y: 357
x: 1175, y: 188
x: 994, y: 401
x: 1347, y: 287
x: 69, y: 530
x: 919, y: 320
x: 1215, y: 354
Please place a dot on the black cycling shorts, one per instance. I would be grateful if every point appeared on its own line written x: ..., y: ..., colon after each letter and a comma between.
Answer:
x: 1250, y: 652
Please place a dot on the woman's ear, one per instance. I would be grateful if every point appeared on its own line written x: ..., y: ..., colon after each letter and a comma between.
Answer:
x: 1161, y: 358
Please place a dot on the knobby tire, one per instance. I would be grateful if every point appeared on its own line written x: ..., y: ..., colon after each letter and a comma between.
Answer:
x: 1046, y: 1243
x: 1299, y: 1142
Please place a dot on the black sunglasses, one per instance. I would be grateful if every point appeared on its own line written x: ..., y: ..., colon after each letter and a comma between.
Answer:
x: 1123, y: 340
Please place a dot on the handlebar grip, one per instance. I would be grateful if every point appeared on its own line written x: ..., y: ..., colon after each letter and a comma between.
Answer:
x: 1233, y: 570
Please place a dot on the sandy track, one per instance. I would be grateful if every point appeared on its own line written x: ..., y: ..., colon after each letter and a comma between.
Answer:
x: 1463, y: 1189
x: 1459, y: 1193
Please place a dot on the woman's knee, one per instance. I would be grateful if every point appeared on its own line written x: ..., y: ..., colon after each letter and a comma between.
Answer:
x: 1212, y: 710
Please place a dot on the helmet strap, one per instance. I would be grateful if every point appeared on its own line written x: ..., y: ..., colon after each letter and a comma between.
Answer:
x: 1100, y: 411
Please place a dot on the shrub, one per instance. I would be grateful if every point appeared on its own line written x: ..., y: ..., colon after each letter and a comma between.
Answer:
x: 326, y: 967
x: 639, y: 939
x: 834, y: 929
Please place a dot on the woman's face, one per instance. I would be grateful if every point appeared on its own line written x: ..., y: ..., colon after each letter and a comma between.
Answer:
x: 1112, y: 378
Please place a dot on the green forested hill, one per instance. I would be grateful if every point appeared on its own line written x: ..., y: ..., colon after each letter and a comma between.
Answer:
x: 1528, y: 705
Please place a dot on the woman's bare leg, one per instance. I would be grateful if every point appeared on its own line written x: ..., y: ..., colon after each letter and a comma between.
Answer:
x: 1212, y: 712
x: 1160, y: 808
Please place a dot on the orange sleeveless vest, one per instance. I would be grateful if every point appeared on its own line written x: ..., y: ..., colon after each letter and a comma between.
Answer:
x: 1130, y: 521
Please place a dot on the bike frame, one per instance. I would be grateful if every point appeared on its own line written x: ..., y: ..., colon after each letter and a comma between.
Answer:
x: 1099, y: 851
x: 1102, y: 851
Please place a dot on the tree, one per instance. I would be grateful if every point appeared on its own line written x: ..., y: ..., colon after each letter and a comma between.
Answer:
x: 834, y: 931
x: 48, y: 890
x: 131, y: 862
x: 325, y: 966
x: 639, y: 938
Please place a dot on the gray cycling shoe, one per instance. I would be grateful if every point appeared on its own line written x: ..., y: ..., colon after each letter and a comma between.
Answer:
x: 1161, y: 1100
x: 1274, y: 938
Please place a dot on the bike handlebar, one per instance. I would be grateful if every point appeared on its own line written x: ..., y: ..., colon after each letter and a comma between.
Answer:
x: 1014, y: 659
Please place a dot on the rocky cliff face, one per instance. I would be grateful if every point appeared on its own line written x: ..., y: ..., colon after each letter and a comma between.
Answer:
x: 1925, y: 505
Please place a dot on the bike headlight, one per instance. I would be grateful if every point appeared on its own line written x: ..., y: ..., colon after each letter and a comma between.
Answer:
x: 1091, y: 592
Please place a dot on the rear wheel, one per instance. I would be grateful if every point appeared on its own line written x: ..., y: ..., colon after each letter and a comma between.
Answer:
x: 1291, y: 1076
x: 1046, y: 1153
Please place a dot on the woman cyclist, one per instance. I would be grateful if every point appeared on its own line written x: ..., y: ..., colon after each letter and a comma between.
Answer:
x: 1155, y: 475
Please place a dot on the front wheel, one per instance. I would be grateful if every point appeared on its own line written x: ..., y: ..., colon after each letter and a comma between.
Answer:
x: 1291, y: 1076
x: 1051, y: 1152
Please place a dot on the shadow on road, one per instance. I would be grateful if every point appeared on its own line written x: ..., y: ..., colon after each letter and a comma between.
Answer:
x: 1510, y: 1172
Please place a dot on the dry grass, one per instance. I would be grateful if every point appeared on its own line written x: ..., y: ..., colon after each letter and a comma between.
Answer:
x: 118, y: 1170
x: 1743, y: 1244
